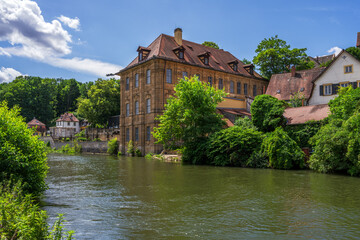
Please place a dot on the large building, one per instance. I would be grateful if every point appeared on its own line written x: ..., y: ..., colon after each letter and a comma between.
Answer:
x: 149, y: 80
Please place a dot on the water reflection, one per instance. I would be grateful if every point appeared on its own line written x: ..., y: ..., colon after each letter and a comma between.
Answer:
x: 134, y: 198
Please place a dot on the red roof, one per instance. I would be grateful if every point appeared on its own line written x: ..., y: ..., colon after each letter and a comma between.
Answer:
x: 67, y: 117
x: 35, y: 122
x: 301, y: 115
x: 283, y: 85
x: 164, y: 45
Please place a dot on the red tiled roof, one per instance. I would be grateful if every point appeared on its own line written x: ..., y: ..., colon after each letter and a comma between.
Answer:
x: 163, y: 46
x: 35, y: 122
x: 301, y: 115
x: 283, y: 86
x: 67, y: 117
x: 322, y: 59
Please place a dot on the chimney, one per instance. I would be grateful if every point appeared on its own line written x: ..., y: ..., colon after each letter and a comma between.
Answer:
x: 178, y: 36
x: 358, y: 40
x: 293, y: 71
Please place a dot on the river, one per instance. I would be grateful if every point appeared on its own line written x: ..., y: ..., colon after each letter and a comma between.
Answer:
x: 104, y: 197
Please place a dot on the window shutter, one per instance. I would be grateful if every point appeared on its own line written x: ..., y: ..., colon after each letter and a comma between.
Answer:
x: 321, y: 90
x: 335, y: 88
x: 354, y: 85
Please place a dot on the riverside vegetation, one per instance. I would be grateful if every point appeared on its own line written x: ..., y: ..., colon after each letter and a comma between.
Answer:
x: 23, y: 169
x: 191, y: 124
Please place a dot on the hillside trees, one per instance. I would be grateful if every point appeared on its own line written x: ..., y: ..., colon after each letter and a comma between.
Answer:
x: 210, y: 44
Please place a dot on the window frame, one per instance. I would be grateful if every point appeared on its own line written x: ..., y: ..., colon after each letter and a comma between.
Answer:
x: 238, y: 87
x: 169, y: 75
x: 148, y: 76
x: 254, y: 90
x: 347, y: 84
x: 136, y: 134
x: 136, y: 80
x: 245, y: 88
x: 358, y: 83
x: 324, y: 89
x: 184, y: 74
x: 210, y: 81
x: 221, y: 84
x: 148, y: 133
x: 127, y: 109
x: 346, y: 66
x: 148, y: 105
x: 127, y: 84
x: 231, y: 87
x: 137, y: 111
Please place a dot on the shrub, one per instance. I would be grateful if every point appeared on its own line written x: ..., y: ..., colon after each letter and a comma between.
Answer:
x: 138, y: 153
x: 233, y: 146
x: 149, y: 156
x: 258, y: 159
x: 267, y: 113
x: 195, y: 152
x: 80, y: 134
x: 301, y: 134
x: 282, y: 151
x: 22, y: 155
x: 130, y: 148
x: 113, y: 146
x: 245, y: 123
x: 82, y: 139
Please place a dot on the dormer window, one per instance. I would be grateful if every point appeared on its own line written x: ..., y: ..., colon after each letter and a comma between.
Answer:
x: 249, y: 68
x: 143, y: 53
x: 179, y: 52
x: 204, y: 57
x: 234, y: 65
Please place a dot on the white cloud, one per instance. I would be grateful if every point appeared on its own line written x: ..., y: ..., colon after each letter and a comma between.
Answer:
x: 73, y: 23
x: 8, y: 74
x: 335, y: 50
x: 23, y: 26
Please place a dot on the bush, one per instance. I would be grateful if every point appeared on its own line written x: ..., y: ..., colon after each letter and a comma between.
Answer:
x: 195, y: 152
x: 82, y: 139
x: 130, y: 148
x: 22, y: 155
x: 282, y: 151
x: 301, y: 134
x: 138, y: 153
x: 233, y: 146
x: 267, y: 113
x: 245, y: 123
x: 113, y: 146
x: 149, y: 156
x: 80, y: 134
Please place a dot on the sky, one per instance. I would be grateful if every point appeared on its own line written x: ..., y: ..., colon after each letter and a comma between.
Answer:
x: 86, y: 40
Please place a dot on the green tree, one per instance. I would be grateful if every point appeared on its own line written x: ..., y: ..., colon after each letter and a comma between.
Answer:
x: 354, y: 51
x: 103, y: 102
x: 267, y: 113
x: 210, y: 44
x: 275, y: 56
x: 22, y: 155
x: 345, y: 104
x: 245, y: 61
x: 189, y: 117
x: 297, y: 99
x: 282, y: 151
x: 67, y: 94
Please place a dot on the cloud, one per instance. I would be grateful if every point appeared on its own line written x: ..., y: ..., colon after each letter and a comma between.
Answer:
x: 23, y: 26
x: 73, y: 23
x: 8, y: 74
x: 335, y: 50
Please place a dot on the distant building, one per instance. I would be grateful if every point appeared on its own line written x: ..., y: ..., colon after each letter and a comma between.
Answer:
x: 40, y: 128
x: 66, y: 126
x: 149, y: 80
x: 318, y: 61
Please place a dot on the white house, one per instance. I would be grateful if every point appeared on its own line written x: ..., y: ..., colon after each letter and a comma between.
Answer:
x: 342, y: 72
x: 66, y: 126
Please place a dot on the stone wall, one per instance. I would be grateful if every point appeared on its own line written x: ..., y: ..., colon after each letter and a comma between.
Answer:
x: 87, y: 147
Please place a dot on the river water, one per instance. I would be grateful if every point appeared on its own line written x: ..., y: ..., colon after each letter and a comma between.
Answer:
x: 105, y: 197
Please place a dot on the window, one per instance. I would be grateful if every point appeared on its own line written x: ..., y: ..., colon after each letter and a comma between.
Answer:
x: 140, y: 56
x: 210, y: 81
x: 206, y: 61
x: 358, y: 83
x: 238, y: 89
x: 168, y: 75
x: 74, y: 124
x: 231, y: 87
x: 127, y: 109
x: 148, y: 109
x: 184, y: 74
x: 127, y: 135
x: 136, y: 134
x: 198, y: 76
x: 136, y: 108
x: 127, y: 83
x: 348, y: 69
x: 254, y: 91
x: 235, y: 67
x: 148, y: 76
x: 148, y: 133
x: 328, y: 89
x: 344, y: 84
x: 181, y: 54
x: 245, y: 89
x: 220, y: 83
x: 136, y: 80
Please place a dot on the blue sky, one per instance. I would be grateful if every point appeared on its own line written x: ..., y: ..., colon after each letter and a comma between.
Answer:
x: 87, y: 39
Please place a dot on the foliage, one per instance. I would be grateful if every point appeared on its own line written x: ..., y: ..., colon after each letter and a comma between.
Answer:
x: 113, y: 146
x: 195, y: 151
x: 245, y: 123
x: 67, y: 94
x: 326, y: 64
x: 103, y: 101
x: 258, y: 159
x: 275, y: 56
x: 22, y: 154
x: 81, y: 139
x: 246, y: 61
x: 210, y: 44
x: 354, y: 51
x: 305, y: 64
x: 302, y: 133
x: 346, y: 104
x: 189, y: 115
x: 80, y: 134
x: 21, y: 218
x: 282, y: 151
x: 149, y: 156
x: 233, y: 146
x: 71, y: 150
x: 130, y: 148
x: 138, y: 153
x: 297, y: 99
x: 267, y: 113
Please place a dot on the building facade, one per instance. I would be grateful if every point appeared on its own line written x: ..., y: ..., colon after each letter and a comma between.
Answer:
x: 149, y: 80
x: 66, y: 126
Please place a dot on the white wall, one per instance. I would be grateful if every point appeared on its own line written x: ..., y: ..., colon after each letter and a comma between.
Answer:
x: 335, y: 74
x: 65, y: 125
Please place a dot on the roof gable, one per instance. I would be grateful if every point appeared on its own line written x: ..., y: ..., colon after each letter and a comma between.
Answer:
x: 67, y: 117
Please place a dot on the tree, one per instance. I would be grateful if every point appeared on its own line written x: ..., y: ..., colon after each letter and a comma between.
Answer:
x: 245, y: 61
x: 22, y: 155
x: 275, y: 56
x: 67, y: 94
x: 267, y: 113
x: 189, y: 117
x: 345, y: 104
x: 297, y: 99
x: 210, y: 44
x: 354, y: 51
x: 102, y: 103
